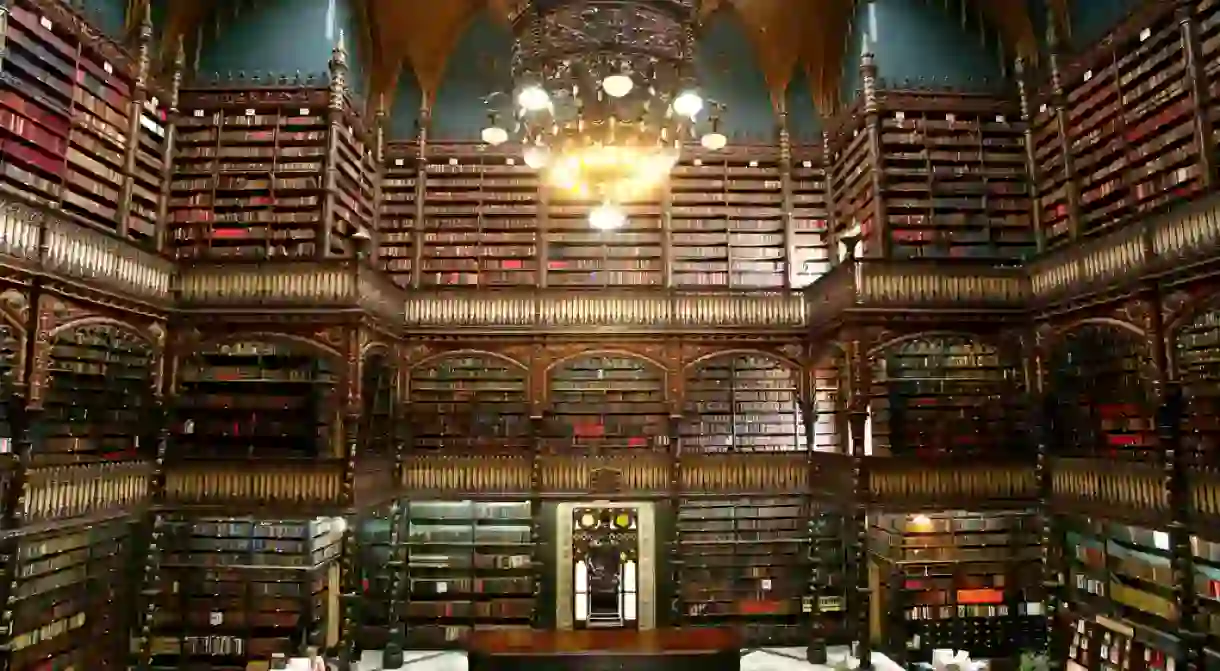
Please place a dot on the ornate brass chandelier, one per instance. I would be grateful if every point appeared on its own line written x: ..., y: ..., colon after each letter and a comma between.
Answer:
x: 604, y: 96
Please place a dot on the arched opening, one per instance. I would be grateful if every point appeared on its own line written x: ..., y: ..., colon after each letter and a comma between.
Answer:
x: 99, y: 394
x: 263, y: 398
x: 469, y: 402
x: 1197, y: 359
x: 378, y: 377
x: 1104, y: 408
x: 742, y: 403
x: 605, y: 402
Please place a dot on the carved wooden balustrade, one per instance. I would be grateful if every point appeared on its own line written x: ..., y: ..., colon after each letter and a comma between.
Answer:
x: 1109, y: 488
x: 374, y: 481
x: 745, y: 473
x: 914, y: 482
x: 39, y: 241
x: 442, y: 474
x: 75, y: 490
x: 283, y: 483
x: 959, y: 285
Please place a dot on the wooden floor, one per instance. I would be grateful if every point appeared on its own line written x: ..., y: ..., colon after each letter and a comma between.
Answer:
x: 613, y: 641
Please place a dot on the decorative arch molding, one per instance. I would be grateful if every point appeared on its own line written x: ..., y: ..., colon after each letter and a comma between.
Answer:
x: 625, y: 353
x: 1189, y: 311
x: 1070, y: 327
x: 433, y: 358
x: 793, y: 367
x: 311, y: 345
x: 152, y: 340
x: 882, y: 347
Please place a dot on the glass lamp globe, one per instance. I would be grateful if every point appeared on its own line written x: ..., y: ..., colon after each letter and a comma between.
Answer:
x: 617, y: 86
x: 714, y: 141
x: 533, y: 98
x: 536, y: 157
x: 494, y: 135
x: 607, y: 217
x: 688, y: 104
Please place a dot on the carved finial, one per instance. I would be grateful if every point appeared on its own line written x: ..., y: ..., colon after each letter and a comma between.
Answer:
x: 868, y: 81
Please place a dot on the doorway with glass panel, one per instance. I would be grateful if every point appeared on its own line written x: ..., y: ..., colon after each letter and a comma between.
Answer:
x: 605, y: 566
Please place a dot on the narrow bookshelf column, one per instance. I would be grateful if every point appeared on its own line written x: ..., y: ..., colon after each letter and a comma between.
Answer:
x: 256, y: 399
x: 377, y: 576
x: 235, y: 590
x: 699, y: 229
x: 960, y: 580
x: 742, y: 403
x: 469, y: 569
x: 943, y: 395
x: 378, y: 391
x: 99, y: 395
x: 396, y: 244
x: 744, y: 565
x: 1197, y: 359
x: 1096, y: 370
x: 811, y: 250
x: 606, y: 402
x: 469, y: 402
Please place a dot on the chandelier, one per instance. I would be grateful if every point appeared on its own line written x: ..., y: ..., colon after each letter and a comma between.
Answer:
x: 603, y: 97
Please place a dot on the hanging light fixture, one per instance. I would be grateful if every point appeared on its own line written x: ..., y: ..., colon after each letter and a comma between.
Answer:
x: 714, y: 140
x: 493, y: 134
x: 605, y: 96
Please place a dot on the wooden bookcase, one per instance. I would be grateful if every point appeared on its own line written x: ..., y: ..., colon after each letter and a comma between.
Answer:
x: 99, y: 395
x: 606, y: 402
x: 247, y: 399
x: 1105, y: 644
x: 1105, y: 408
x: 745, y: 564
x: 809, y: 217
x: 465, y: 403
x: 742, y: 403
x: 1197, y: 360
x: 469, y: 566
x: 957, y: 579
x: 398, y: 243
x: 64, y: 602
x: 248, y: 175
x: 233, y: 590
x: 945, y: 395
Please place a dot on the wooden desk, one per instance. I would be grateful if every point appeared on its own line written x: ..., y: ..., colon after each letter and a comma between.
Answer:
x: 605, y: 650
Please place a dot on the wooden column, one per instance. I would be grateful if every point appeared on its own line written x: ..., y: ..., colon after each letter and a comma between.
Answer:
x: 135, y: 113
x: 349, y: 576
x: 785, y: 181
x: 167, y: 169
x: 832, y: 231
x: 1031, y: 161
x: 544, y: 229
x: 815, y: 647
x: 872, y: 125
x: 537, y: 541
x: 858, y: 597
x: 379, y: 121
x: 667, y: 235
x: 330, y: 168
x: 421, y: 193
x: 1200, y: 91
x: 1053, y: 573
x: 1058, y: 102
x: 677, y: 605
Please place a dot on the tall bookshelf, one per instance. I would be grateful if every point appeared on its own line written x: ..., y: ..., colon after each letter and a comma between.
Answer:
x: 149, y: 171
x: 378, y: 390
x: 1097, y: 373
x: 957, y: 579
x: 1121, y: 575
x: 99, y: 394
x: 605, y: 402
x: 398, y: 244
x: 745, y: 564
x: 742, y: 403
x: 469, y: 567
x: 469, y: 402
x: 1196, y: 345
x: 1130, y: 127
x: 379, y: 567
x: 248, y: 178
x: 850, y: 178
x: 944, y: 395
x: 64, y: 111
x: 580, y: 256
x: 236, y: 590
x: 809, y: 217
x: 64, y: 602
x: 244, y: 399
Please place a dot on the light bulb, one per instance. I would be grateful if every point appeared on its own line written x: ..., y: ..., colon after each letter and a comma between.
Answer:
x: 607, y: 217
x: 533, y: 99
x: 494, y: 135
x: 688, y: 104
x: 714, y: 141
x: 617, y: 86
x: 536, y: 157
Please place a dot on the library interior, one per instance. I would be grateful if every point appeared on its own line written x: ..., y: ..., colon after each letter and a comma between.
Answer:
x: 610, y: 335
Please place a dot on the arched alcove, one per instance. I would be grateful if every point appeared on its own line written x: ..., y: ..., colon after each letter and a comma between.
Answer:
x: 467, y: 402
x: 804, y: 119
x: 99, y: 393
x: 1103, y: 406
x: 257, y: 398
x: 378, y: 376
x: 479, y: 65
x: 945, y: 394
x: 605, y: 401
x: 729, y: 72
x: 1196, y: 346
x: 404, y: 111
x: 742, y: 402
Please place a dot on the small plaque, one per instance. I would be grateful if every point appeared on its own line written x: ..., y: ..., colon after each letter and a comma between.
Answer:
x: 304, y: 111
x: 249, y: 111
x: 216, y: 618
x: 605, y: 480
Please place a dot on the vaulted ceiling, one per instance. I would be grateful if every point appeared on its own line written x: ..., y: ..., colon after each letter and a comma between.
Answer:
x: 788, y: 35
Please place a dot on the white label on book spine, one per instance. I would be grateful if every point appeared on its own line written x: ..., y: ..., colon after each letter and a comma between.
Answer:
x: 249, y: 111
x: 45, y: 22
x: 216, y: 619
